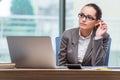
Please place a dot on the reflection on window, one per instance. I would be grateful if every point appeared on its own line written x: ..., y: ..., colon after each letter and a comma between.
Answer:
x: 27, y: 18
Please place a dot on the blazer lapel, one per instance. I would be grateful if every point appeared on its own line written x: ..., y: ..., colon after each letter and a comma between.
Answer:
x: 89, y: 49
x: 75, y: 38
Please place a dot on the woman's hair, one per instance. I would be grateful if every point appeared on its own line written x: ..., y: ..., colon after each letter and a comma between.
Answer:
x: 98, y: 10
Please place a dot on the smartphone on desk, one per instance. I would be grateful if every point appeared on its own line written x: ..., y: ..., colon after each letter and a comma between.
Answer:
x: 73, y: 66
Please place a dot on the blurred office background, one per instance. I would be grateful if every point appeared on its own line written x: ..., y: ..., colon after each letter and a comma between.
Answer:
x: 51, y: 18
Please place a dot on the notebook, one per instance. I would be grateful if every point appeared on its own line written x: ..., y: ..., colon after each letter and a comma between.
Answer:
x: 31, y: 52
x: 7, y: 65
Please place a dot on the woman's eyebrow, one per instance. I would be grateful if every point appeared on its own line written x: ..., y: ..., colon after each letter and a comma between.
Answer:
x: 86, y: 15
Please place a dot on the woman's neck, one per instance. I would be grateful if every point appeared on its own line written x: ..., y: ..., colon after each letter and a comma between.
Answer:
x: 85, y: 33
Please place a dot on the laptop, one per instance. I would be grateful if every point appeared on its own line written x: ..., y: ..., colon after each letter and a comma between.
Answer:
x: 31, y: 52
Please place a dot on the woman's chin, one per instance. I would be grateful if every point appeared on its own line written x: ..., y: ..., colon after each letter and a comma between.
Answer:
x: 84, y: 28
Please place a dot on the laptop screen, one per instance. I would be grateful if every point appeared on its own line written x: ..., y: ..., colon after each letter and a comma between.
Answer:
x: 31, y: 51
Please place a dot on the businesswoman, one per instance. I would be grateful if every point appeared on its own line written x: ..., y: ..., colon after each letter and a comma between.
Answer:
x: 87, y: 44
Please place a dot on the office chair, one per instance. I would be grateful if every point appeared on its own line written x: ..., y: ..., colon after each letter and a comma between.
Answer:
x: 108, y: 53
x: 57, y: 40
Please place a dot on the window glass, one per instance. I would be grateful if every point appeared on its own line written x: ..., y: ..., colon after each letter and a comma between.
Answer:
x: 27, y: 18
x: 110, y: 16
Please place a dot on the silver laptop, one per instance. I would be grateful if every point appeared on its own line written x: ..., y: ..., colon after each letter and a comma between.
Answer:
x: 31, y: 52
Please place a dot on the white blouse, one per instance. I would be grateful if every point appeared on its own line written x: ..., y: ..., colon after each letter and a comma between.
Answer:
x: 82, y: 46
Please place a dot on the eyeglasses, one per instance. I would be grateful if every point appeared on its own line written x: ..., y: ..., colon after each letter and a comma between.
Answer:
x: 88, y: 17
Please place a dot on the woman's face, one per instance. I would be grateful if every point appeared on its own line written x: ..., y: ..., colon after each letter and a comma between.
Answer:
x: 87, y: 18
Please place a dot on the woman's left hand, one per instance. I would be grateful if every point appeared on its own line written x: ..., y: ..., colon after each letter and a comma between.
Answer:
x: 101, y: 29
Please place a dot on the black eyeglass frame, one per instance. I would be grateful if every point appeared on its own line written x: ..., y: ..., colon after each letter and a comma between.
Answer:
x: 87, y: 17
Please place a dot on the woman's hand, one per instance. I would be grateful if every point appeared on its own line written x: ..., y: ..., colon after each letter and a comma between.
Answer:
x: 101, y: 29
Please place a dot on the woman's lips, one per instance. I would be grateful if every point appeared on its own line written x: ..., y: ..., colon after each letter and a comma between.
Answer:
x: 82, y: 24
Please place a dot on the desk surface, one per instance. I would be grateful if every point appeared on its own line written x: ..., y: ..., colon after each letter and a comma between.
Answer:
x: 57, y: 74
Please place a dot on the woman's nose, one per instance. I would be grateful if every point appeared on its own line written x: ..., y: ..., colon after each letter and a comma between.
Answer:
x: 84, y: 19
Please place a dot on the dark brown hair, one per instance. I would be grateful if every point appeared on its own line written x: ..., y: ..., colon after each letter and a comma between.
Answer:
x: 98, y: 10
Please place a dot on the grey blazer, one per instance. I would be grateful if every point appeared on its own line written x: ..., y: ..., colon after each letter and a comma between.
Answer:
x: 94, y: 56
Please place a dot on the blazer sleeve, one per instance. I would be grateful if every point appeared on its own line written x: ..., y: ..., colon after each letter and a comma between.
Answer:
x: 63, y: 51
x: 99, y: 50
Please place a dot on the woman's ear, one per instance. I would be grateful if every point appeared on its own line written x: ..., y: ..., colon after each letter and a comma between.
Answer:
x: 97, y: 23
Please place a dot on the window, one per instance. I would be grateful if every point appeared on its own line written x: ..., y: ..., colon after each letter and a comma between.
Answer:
x: 27, y: 18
